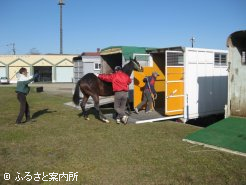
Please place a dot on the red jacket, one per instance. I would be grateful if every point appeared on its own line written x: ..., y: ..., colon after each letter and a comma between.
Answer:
x: 119, y: 79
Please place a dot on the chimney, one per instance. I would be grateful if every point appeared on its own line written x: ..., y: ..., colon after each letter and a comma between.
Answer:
x: 98, y: 50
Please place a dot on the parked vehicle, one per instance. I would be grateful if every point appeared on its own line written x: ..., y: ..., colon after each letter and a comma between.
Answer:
x: 192, y: 81
x: 4, y: 80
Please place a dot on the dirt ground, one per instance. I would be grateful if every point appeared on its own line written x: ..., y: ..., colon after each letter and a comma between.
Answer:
x: 65, y: 89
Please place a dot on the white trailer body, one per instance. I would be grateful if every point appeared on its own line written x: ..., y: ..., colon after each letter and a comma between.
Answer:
x: 205, y: 85
x: 192, y: 81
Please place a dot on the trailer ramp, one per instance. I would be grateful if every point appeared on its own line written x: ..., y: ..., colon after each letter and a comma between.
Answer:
x: 143, y: 117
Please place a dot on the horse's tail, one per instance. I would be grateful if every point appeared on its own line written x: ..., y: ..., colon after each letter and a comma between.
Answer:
x: 76, y: 94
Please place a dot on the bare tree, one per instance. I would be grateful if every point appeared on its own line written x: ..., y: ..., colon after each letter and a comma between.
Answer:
x: 34, y: 51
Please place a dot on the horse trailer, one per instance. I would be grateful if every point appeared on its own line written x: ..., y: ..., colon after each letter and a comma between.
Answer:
x: 192, y: 82
x: 236, y: 105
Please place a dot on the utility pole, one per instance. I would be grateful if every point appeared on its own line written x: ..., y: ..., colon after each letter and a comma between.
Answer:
x: 192, y: 41
x: 61, y: 4
x: 13, y: 47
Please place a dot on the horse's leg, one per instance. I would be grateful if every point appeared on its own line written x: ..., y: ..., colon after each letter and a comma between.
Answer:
x: 82, y: 105
x: 99, y: 113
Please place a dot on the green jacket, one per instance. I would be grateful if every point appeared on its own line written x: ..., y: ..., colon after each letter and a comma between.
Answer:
x: 22, y: 86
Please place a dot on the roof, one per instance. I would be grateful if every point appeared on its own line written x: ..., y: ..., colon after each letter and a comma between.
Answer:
x: 90, y: 54
x: 87, y: 54
x: 127, y: 51
x: 161, y: 50
x: 183, y: 49
x: 33, y: 59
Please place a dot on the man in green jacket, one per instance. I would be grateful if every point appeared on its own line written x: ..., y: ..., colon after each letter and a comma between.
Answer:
x: 22, y: 91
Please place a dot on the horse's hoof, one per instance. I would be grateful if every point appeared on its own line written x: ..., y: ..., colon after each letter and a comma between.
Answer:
x: 106, y: 121
x: 87, y: 118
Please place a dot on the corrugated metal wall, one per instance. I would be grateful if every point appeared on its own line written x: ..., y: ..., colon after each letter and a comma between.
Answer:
x: 237, y: 83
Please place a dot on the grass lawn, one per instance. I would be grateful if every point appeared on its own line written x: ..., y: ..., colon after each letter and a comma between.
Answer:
x: 61, y: 141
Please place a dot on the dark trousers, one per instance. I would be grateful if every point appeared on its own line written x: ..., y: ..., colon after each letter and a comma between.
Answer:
x: 24, y: 107
x: 120, y: 99
x: 146, y: 99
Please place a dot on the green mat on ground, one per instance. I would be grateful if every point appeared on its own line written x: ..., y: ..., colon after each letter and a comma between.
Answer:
x: 229, y: 133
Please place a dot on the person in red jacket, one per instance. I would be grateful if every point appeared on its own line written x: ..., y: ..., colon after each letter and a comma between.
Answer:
x: 120, y: 82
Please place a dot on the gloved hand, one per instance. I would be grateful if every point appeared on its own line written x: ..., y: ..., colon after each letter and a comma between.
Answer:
x: 96, y: 74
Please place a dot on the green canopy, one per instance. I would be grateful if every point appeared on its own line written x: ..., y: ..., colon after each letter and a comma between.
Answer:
x: 127, y: 51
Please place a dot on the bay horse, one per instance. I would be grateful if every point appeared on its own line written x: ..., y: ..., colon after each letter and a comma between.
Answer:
x: 91, y: 85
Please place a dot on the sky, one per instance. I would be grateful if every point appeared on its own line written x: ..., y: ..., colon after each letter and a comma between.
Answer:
x: 34, y: 25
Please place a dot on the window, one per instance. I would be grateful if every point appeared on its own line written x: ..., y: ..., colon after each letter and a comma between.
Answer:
x: 175, y: 58
x: 220, y: 59
x: 243, y: 57
x: 143, y: 59
x: 97, y: 66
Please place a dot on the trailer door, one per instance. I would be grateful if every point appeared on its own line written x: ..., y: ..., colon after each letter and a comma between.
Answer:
x: 174, y: 83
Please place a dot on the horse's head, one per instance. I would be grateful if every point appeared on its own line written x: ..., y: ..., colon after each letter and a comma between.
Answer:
x: 132, y: 65
x: 136, y: 65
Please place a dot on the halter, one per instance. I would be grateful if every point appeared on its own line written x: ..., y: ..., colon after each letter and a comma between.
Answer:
x: 137, y: 66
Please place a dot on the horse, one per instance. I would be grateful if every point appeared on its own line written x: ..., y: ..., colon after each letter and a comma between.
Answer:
x: 91, y: 85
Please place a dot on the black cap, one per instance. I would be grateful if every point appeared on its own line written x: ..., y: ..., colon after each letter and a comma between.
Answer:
x: 155, y: 73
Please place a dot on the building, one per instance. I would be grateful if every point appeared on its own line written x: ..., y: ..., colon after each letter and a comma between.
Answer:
x: 50, y: 67
x: 87, y: 62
